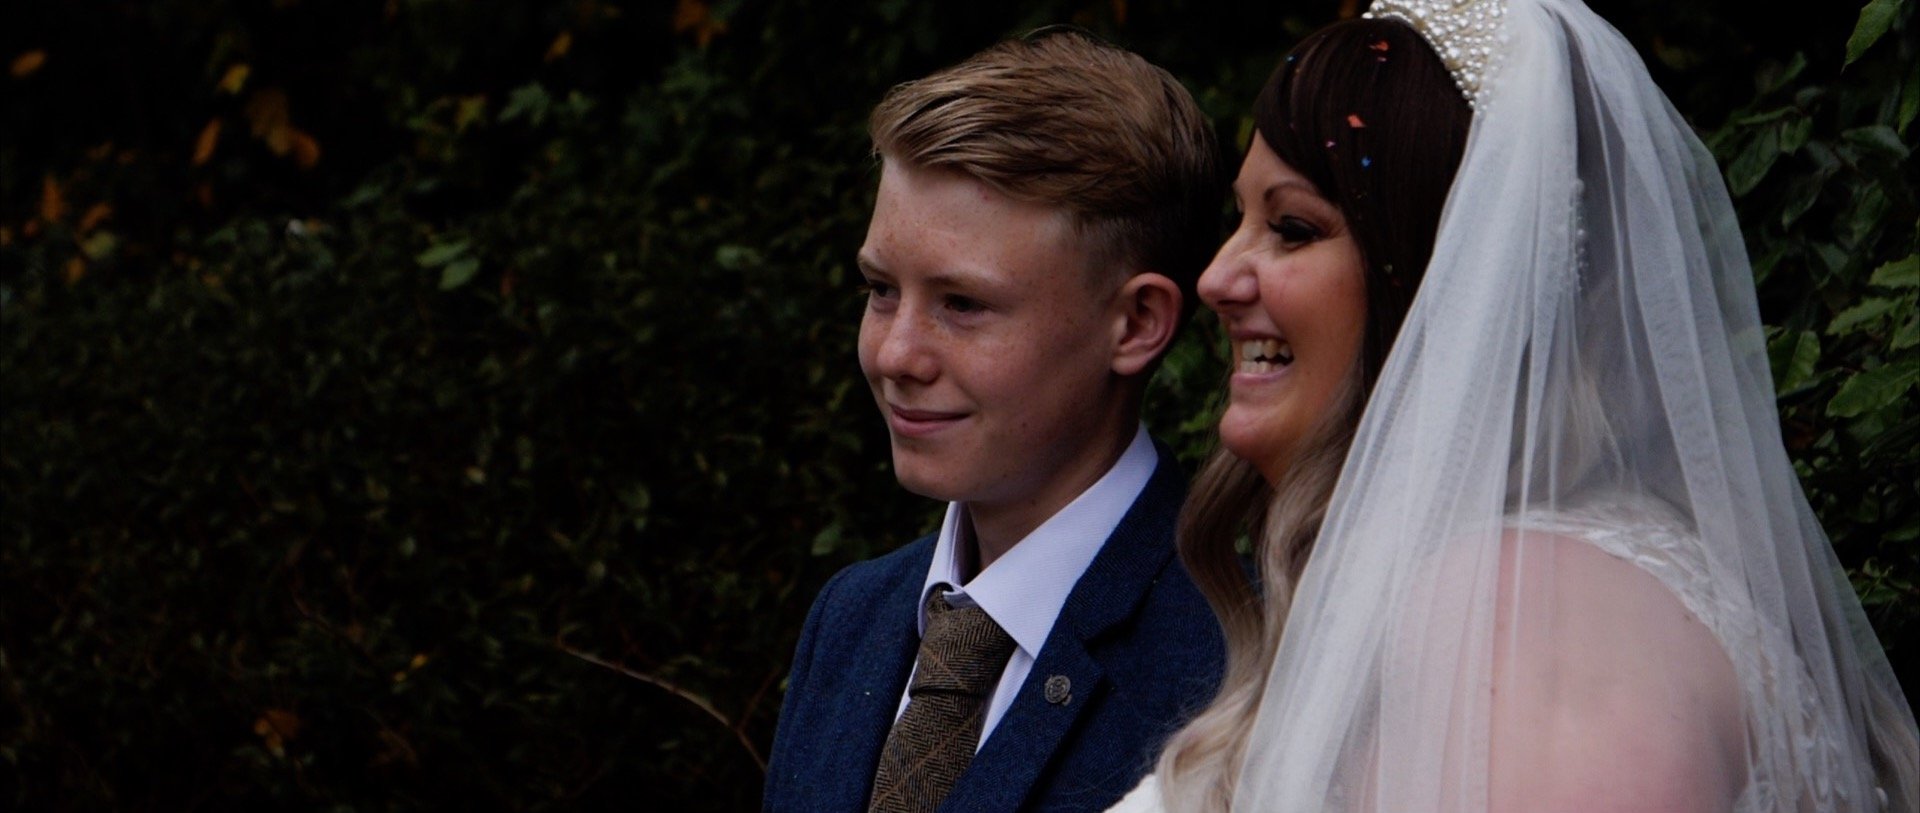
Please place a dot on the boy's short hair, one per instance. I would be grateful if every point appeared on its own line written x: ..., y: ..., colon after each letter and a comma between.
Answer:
x: 1061, y: 118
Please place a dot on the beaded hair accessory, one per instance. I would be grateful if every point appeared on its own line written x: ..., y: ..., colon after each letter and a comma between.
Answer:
x: 1466, y: 34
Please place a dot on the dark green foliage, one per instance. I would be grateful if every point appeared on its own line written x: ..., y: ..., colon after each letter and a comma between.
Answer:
x: 487, y: 346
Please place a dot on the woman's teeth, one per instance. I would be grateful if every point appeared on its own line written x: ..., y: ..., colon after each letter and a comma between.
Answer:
x: 1264, y: 355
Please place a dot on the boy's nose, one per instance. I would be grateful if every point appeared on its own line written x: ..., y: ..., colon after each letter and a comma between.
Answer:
x: 904, y: 349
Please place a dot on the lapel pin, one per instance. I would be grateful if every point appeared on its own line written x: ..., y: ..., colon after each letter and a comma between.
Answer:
x: 1059, y: 690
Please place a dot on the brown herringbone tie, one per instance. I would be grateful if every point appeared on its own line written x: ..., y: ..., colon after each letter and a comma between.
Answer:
x: 960, y: 660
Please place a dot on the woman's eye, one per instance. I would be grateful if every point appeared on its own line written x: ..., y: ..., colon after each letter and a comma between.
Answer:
x: 1295, y: 230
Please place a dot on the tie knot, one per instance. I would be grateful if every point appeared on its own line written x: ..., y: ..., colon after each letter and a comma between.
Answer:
x: 964, y: 650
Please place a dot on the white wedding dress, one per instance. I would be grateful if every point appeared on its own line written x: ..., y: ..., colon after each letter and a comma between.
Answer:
x: 1652, y: 540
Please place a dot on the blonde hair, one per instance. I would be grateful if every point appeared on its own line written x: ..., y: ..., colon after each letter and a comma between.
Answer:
x: 1200, y: 764
x: 1063, y: 119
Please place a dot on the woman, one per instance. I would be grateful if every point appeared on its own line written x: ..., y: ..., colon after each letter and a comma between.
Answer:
x: 1559, y: 559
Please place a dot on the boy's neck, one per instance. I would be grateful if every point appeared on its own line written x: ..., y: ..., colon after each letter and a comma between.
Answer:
x: 998, y: 526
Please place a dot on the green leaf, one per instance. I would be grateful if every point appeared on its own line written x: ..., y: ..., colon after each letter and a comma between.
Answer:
x: 1909, y: 99
x: 1753, y: 162
x: 100, y: 245
x: 1764, y: 264
x: 1875, y: 18
x: 1773, y: 80
x: 1879, y: 138
x: 1906, y: 336
x: 529, y: 101
x: 440, y: 254
x: 1901, y: 273
x: 1869, y: 391
x: 828, y: 540
x: 734, y: 258
x: 458, y: 273
x: 1801, y: 195
x: 1859, y: 317
x: 1762, y: 118
x: 1869, y: 212
x: 1794, y: 134
x: 1794, y: 354
x: 1833, y: 257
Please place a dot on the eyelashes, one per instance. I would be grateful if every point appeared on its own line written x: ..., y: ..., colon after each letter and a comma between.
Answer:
x: 1294, y: 230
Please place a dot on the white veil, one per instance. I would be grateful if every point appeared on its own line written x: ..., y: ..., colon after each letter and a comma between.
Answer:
x: 1568, y: 558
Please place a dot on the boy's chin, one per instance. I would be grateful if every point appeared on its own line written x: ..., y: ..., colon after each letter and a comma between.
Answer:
x: 928, y: 479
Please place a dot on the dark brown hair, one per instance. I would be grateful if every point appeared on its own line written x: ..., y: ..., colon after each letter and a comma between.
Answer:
x: 1366, y: 111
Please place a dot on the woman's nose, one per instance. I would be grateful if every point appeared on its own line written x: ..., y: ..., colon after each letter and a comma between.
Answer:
x: 1229, y: 279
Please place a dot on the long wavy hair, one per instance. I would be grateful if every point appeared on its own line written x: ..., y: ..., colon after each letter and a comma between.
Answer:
x: 1367, y: 112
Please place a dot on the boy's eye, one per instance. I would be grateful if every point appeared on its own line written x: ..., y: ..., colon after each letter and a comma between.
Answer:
x: 1295, y: 230
x: 875, y: 289
x: 961, y: 304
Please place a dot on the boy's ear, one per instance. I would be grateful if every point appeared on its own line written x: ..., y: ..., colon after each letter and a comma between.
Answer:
x: 1146, y: 312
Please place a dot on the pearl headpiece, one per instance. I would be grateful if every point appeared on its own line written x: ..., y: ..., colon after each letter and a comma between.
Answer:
x: 1466, y: 34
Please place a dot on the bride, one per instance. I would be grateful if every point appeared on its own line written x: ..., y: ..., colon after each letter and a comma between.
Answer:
x: 1548, y: 553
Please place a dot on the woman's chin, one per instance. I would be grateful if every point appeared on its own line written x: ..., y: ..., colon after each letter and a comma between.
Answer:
x: 1252, y: 440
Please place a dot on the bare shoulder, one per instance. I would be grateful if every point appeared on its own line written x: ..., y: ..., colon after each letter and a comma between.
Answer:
x: 1608, y: 693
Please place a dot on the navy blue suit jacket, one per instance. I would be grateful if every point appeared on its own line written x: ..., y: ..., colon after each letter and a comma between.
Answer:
x: 1136, y: 642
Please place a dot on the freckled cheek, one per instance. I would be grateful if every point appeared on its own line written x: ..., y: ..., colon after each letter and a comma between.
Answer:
x: 867, y: 349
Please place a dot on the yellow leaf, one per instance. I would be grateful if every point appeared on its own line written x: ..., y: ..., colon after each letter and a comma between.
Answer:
x: 275, y: 728
x: 53, y: 203
x: 306, y: 151
x: 267, y: 111
x: 209, y: 138
x: 470, y: 109
x: 561, y: 45
x: 75, y: 271
x: 235, y: 78
x: 94, y: 215
x: 283, y: 722
x: 687, y: 15
x: 695, y: 16
x: 25, y: 64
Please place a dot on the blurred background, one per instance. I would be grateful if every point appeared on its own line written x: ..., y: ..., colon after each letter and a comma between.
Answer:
x: 452, y: 404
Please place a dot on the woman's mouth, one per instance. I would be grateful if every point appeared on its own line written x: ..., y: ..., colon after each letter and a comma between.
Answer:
x: 1262, y: 355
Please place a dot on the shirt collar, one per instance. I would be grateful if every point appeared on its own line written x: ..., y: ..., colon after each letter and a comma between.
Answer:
x: 1024, y: 590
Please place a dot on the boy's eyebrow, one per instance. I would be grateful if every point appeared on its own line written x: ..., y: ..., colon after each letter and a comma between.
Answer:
x: 949, y: 278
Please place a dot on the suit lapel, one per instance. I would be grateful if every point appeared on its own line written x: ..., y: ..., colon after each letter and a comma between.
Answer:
x: 880, y: 665
x: 1035, y: 726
